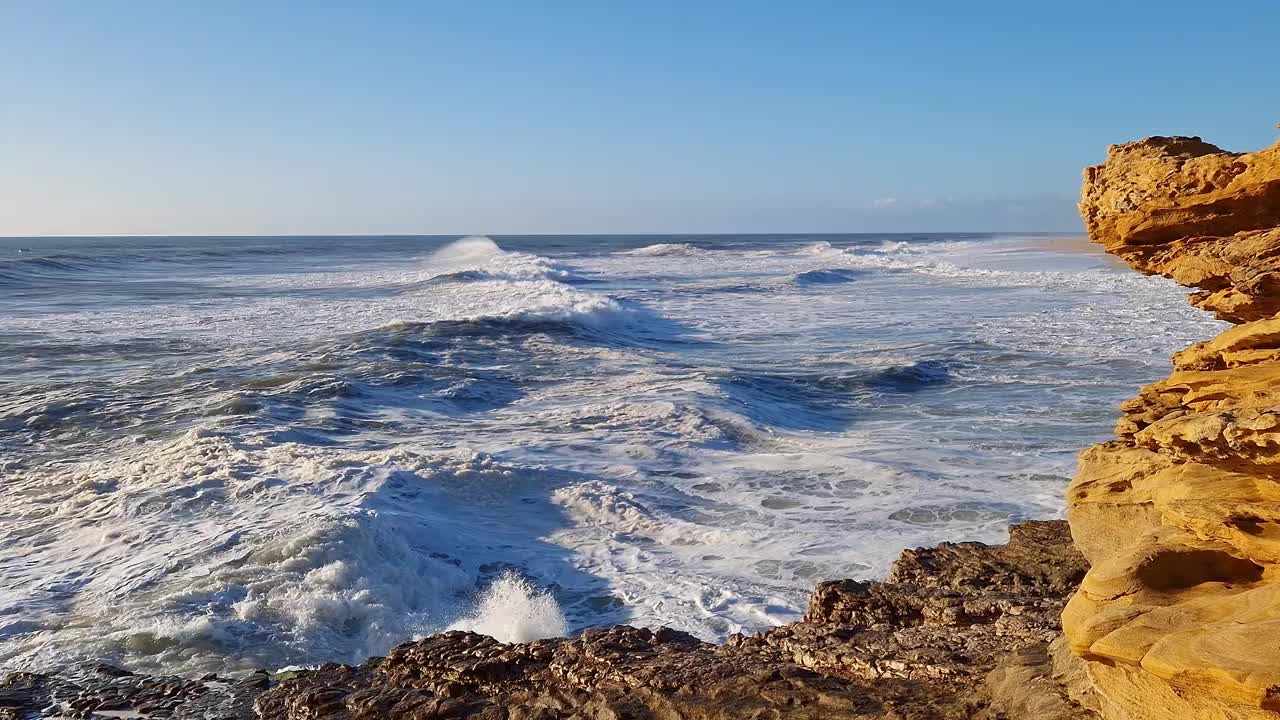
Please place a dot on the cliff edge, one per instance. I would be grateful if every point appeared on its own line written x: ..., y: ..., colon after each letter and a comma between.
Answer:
x: 1179, y: 516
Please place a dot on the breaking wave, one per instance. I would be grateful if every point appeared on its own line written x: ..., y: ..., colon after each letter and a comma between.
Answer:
x: 242, y: 553
x: 512, y: 610
x: 667, y: 250
x: 469, y: 280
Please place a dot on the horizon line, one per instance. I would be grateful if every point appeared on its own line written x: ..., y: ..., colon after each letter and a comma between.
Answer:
x: 74, y: 236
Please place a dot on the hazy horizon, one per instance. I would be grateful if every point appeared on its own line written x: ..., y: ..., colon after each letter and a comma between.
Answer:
x: 438, y: 235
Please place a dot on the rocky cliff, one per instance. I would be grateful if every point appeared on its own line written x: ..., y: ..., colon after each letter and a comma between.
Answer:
x: 959, y: 631
x: 1179, y: 616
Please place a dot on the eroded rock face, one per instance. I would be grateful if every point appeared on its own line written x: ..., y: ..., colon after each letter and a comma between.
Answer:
x: 959, y: 632
x: 1183, y: 208
x: 1180, y: 515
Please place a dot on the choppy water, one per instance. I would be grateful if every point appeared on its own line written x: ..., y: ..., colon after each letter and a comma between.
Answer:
x: 227, y: 453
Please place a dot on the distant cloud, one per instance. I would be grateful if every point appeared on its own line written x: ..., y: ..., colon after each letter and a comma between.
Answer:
x: 938, y: 202
x: 887, y: 202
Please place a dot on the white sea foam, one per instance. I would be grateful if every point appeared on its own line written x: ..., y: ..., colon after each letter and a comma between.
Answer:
x: 512, y: 610
x: 702, y: 466
x: 997, y: 263
x: 483, y: 259
x: 207, y: 552
x: 666, y: 250
x: 820, y: 247
x: 467, y: 251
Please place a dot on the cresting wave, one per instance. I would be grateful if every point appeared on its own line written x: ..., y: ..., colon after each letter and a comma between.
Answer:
x: 470, y: 280
x: 501, y: 285
x: 666, y: 250
x: 480, y: 258
x: 210, y: 552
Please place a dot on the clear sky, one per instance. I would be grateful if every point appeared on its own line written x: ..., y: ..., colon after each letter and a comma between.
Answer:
x: 280, y: 117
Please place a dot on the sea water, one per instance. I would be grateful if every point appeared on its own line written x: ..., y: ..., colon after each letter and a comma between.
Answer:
x: 229, y: 453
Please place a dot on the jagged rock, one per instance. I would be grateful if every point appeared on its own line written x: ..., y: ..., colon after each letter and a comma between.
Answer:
x: 960, y: 631
x: 919, y: 646
x: 1185, y: 209
x: 1179, y: 615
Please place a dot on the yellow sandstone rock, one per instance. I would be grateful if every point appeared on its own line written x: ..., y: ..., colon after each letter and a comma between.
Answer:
x: 1179, y: 616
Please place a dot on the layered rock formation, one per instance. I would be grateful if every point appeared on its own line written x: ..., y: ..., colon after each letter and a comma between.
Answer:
x: 1179, y: 616
x: 957, y: 632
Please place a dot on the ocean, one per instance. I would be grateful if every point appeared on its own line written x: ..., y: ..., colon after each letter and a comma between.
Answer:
x: 230, y: 453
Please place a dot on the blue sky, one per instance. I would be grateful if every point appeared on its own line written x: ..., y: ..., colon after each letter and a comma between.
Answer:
x: 510, y: 117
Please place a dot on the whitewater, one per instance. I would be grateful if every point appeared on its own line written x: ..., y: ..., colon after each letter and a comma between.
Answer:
x: 219, y: 454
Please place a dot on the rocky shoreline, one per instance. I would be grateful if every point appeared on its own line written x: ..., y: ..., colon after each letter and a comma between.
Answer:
x: 956, y: 631
x: 1167, y: 596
